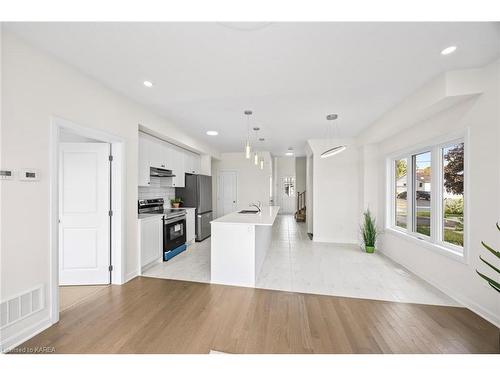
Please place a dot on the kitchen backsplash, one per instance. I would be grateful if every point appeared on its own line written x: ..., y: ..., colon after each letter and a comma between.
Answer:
x: 157, y: 191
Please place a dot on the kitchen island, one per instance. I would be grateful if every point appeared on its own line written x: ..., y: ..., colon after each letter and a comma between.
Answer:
x: 239, y: 245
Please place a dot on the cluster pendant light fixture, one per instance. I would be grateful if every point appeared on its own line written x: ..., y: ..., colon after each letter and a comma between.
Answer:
x: 334, y: 150
x: 259, y: 162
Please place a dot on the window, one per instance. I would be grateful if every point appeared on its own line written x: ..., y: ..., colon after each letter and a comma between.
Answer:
x: 401, y: 188
x: 428, y: 195
x: 289, y: 186
x: 453, y: 194
x: 422, y: 193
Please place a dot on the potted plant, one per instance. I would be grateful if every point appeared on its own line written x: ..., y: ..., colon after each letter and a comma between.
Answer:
x: 369, y: 232
x: 176, y: 202
x: 490, y: 279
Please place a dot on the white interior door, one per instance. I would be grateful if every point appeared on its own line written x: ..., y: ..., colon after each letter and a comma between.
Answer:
x: 288, y: 195
x: 84, y: 213
x: 228, y: 196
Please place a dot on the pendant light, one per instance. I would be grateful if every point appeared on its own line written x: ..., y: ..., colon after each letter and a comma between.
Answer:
x: 334, y: 150
x: 248, y: 149
x: 256, y: 155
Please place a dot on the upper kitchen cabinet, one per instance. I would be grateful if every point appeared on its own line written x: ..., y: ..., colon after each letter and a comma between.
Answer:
x: 178, y: 167
x: 191, y: 162
x: 157, y: 155
x: 154, y: 152
x: 144, y: 160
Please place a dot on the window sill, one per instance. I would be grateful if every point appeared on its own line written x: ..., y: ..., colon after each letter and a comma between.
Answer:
x: 443, y: 250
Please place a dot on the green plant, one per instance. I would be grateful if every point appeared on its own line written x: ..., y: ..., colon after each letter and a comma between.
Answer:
x: 494, y: 284
x: 369, y: 229
x: 176, y: 200
x: 454, y: 207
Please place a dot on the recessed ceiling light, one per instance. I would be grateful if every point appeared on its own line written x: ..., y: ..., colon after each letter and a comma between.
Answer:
x: 212, y: 132
x: 148, y: 83
x: 448, y: 50
x: 289, y: 153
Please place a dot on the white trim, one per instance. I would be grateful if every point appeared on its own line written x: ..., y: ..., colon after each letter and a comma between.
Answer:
x: 129, y: 276
x: 434, y: 241
x: 118, y: 229
x: 24, y: 335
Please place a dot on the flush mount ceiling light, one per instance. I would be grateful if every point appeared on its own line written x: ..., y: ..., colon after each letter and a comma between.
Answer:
x: 448, y: 50
x: 248, y: 149
x: 245, y: 26
x: 289, y: 153
x: 148, y: 83
x: 212, y: 132
x: 334, y: 150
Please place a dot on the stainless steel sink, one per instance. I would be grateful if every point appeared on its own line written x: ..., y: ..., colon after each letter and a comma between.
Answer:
x: 248, y: 212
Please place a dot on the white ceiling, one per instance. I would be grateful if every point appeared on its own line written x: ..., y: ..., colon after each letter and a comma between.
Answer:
x: 290, y: 74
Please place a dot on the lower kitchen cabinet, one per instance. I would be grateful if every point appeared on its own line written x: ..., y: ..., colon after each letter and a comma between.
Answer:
x: 151, y: 240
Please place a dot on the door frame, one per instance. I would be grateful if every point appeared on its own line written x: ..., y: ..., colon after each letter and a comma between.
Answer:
x: 118, y: 196
x: 219, y: 201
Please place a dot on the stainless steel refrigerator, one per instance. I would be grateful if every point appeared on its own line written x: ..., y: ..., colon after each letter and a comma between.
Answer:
x: 197, y: 193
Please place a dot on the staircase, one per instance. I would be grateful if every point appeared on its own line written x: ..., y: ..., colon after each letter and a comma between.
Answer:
x: 300, y: 214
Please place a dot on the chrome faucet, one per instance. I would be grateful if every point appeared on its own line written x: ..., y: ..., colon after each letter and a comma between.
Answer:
x: 258, y: 205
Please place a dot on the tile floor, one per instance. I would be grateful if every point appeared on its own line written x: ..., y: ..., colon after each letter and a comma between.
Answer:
x: 295, y: 263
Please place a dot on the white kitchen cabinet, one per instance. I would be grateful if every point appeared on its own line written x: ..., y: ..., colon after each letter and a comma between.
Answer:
x: 192, y: 162
x: 154, y: 152
x: 143, y: 163
x: 157, y: 154
x: 197, y: 164
x: 151, y: 240
x: 178, y: 167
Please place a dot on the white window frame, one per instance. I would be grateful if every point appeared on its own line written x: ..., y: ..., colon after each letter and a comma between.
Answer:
x: 435, y: 241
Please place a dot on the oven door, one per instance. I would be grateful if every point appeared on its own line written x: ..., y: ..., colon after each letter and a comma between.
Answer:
x: 174, y: 233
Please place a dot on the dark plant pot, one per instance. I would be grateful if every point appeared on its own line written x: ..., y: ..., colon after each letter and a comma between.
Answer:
x: 370, y: 249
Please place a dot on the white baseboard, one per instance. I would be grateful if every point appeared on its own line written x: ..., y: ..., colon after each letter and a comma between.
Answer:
x: 131, y: 275
x: 24, y: 335
x: 463, y: 300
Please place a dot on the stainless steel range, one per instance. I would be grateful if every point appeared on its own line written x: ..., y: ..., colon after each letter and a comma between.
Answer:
x: 174, y: 225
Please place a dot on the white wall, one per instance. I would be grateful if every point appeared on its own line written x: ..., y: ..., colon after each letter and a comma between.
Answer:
x: 336, y: 210
x: 482, y: 116
x: 300, y: 173
x: 36, y: 87
x: 253, y: 183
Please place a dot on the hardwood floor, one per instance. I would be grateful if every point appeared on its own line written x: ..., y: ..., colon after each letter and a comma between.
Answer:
x: 150, y: 315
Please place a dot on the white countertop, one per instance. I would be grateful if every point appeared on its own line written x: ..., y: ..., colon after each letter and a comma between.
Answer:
x: 266, y: 217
